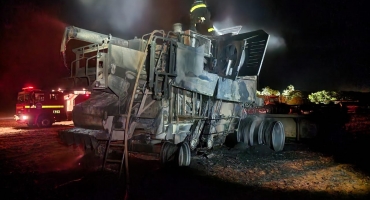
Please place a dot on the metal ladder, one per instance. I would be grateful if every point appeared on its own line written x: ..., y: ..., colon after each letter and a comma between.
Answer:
x: 111, y: 144
x: 114, y: 145
x: 119, y: 144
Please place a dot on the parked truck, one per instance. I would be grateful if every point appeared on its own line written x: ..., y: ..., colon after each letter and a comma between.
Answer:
x: 42, y: 108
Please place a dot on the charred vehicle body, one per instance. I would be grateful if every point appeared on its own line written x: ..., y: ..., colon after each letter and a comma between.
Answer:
x: 169, y: 93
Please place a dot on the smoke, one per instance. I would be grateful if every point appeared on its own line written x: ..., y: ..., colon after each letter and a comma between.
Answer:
x: 119, y: 15
x: 128, y: 18
x: 137, y: 17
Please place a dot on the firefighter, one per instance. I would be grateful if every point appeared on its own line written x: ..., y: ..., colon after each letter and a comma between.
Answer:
x: 201, y: 18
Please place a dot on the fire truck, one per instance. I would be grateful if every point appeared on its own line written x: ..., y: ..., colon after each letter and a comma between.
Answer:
x: 42, y: 108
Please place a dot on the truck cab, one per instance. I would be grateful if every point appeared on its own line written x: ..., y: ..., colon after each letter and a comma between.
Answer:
x: 40, y: 108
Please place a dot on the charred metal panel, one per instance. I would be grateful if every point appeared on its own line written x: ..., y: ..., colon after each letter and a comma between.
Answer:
x: 101, y: 69
x: 122, y: 87
x: 90, y: 113
x: 137, y: 44
x: 87, y: 137
x: 241, y: 54
x: 255, y: 49
x: 194, y: 39
x: 226, y: 111
x: 119, y: 75
x: 190, y: 73
x: 122, y: 69
x: 240, y: 90
x: 178, y: 132
x: 124, y: 58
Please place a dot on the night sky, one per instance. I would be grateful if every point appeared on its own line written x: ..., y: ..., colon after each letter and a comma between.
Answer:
x: 314, y: 45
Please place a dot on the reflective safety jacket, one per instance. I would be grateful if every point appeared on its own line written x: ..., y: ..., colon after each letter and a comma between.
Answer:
x: 200, y: 18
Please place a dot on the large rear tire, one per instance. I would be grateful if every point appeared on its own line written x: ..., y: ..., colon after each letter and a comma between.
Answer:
x: 184, y: 155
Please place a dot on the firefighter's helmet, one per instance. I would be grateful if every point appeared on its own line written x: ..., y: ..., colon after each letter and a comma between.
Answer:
x: 201, y: 17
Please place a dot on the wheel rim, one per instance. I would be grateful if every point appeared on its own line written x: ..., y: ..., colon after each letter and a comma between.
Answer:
x: 278, y: 136
x: 267, y: 132
x: 247, y: 128
x: 245, y: 134
x: 45, y: 122
x: 184, y: 155
x: 187, y: 154
x: 253, y: 131
x: 260, y: 132
x: 181, y: 156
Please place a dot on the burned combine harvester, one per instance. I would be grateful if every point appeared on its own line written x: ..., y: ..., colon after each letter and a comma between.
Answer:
x: 169, y: 94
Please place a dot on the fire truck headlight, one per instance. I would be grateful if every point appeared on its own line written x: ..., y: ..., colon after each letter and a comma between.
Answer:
x: 24, y: 117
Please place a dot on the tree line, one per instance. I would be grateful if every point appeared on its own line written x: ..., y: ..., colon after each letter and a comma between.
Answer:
x: 296, y: 97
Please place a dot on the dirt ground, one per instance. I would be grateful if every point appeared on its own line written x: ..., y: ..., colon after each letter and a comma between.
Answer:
x: 35, y: 164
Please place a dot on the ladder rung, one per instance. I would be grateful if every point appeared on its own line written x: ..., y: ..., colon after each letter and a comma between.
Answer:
x: 117, y: 145
x: 119, y: 129
x: 113, y: 161
x: 143, y: 92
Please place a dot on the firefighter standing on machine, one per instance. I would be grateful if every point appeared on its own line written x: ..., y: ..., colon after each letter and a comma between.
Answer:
x: 201, y: 18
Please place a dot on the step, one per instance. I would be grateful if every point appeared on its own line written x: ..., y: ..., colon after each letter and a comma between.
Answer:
x: 143, y: 92
x: 113, y: 161
x: 119, y: 129
x: 117, y: 145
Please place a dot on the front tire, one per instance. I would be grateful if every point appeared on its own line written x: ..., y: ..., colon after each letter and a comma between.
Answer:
x: 44, y: 122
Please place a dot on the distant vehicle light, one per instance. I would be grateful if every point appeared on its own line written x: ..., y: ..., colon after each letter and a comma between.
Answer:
x: 28, y: 88
x: 81, y: 92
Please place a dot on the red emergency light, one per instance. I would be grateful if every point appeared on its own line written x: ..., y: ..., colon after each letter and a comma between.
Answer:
x: 27, y: 88
x: 30, y: 88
